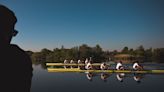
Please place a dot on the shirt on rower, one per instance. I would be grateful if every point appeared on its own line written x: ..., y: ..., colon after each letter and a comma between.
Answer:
x: 135, y: 65
x: 103, y: 66
x: 88, y: 66
x: 86, y: 61
x: 118, y: 66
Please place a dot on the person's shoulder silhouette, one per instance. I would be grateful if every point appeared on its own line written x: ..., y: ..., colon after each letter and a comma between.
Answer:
x: 16, y: 65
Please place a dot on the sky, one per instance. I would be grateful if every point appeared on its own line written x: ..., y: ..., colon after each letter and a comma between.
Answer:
x: 113, y: 24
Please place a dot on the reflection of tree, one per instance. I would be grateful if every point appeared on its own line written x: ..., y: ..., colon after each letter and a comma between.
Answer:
x: 158, y: 55
x: 43, y: 65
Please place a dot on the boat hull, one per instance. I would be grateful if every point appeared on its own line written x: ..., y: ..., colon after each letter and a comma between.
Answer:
x: 99, y: 71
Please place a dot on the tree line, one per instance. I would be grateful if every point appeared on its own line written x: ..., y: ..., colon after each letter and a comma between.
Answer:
x: 98, y: 55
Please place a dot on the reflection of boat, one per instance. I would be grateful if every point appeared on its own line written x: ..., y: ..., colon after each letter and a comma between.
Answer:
x: 109, y: 71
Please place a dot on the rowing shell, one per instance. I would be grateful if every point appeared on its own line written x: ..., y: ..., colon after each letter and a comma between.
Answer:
x: 100, y: 71
x: 62, y: 64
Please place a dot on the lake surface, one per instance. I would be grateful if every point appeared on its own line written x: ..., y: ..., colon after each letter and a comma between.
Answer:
x: 44, y: 81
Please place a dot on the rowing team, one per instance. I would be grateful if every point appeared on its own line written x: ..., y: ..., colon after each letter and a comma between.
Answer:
x: 104, y: 66
x: 136, y: 66
x: 119, y: 66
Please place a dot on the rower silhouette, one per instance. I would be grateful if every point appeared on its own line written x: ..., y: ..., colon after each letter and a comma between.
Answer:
x: 16, y: 66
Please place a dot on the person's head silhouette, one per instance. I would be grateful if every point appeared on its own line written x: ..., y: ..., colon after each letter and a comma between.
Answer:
x: 7, y: 24
x: 17, y: 60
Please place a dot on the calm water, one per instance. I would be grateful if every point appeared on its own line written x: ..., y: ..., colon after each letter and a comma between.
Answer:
x: 44, y: 81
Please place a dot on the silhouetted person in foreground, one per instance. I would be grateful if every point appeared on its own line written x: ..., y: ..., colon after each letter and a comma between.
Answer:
x: 16, y: 67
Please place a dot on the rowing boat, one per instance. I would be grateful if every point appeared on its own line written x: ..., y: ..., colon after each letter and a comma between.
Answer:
x: 99, y: 71
x: 62, y: 64
x: 51, y: 69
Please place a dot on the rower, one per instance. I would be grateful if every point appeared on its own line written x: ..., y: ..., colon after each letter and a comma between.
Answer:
x: 82, y: 67
x: 137, y: 66
x: 119, y: 66
x: 79, y: 61
x: 66, y: 61
x: 103, y: 66
x: 89, y: 66
x: 86, y: 61
x: 90, y: 60
x: 71, y: 62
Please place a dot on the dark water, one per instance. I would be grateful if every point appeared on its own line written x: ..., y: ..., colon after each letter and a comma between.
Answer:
x: 44, y: 81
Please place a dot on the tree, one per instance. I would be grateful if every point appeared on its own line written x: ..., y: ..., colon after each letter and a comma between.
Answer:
x: 158, y: 55
x: 131, y: 52
x: 46, y: 51
x: 125, y: 50
x: 148, y: 55
x: 85, y: 51
x: 38, y: 57
x: 98, y: 54
x: 140, y: 53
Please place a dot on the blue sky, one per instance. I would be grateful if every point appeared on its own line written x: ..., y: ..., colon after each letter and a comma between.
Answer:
x: 111, y: 23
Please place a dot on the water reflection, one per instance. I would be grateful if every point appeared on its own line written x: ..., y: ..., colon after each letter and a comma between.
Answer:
x: 137, y: 77
x: 120, y: 76
x: 104, y: 76
x: 44, y: 81
x: 89, y: 75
